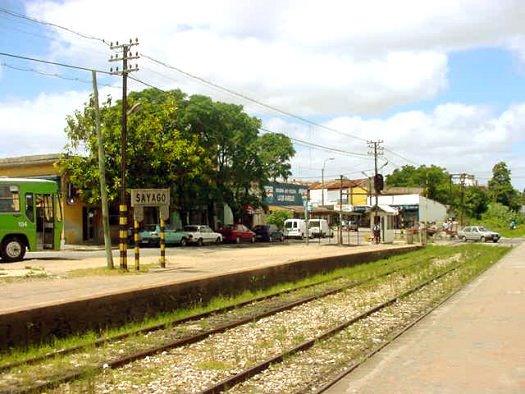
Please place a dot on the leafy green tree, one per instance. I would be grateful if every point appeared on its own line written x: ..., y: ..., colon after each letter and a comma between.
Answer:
x: 208, y: 152
x: 434, y: 180
x: 500, y: 187
x: 278, y: 218
x: 476, y: 202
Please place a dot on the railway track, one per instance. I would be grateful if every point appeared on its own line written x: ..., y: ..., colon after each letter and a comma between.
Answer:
x: 179, y: 336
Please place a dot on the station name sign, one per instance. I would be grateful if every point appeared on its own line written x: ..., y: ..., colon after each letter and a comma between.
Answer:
x: 150, y: 197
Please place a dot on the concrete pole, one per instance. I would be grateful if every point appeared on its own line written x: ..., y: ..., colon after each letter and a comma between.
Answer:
x: 102, y: 171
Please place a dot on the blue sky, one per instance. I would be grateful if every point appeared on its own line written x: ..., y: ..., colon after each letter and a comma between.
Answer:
x: 440, y: 83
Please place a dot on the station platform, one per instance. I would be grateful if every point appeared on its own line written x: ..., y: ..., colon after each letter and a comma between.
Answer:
x: 182, y: 265
x: 473, y: 343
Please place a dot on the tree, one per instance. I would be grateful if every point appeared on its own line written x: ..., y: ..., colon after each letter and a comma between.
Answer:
x: 476, y: 202
x: 208, y: 152
x: 278, y: 218
x: 500, y: 187
x: 434, y: 180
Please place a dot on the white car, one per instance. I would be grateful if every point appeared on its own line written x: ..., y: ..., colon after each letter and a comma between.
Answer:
x: 478, y: 233
x: 201, y: 234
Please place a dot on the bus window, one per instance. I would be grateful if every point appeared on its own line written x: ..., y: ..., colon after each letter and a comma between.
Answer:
x: 9, y: 198
x: 30, y: 207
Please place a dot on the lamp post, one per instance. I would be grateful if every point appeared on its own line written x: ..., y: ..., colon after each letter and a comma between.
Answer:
x: 322, y: 179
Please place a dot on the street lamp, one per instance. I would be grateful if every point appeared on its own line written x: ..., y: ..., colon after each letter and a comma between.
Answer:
x: 322, y: 180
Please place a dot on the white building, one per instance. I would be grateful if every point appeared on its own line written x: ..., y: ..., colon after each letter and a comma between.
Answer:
x: 413, y: 208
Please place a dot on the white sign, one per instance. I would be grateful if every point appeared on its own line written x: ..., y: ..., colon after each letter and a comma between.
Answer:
x: 150, y: 197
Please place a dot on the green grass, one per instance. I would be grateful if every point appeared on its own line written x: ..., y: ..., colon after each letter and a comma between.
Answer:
x: 358, y: 272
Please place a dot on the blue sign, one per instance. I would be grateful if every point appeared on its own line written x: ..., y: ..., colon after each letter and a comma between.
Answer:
x: 285, y: 194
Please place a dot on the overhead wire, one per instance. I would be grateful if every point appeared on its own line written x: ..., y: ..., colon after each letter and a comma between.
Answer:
x: 191, y: 76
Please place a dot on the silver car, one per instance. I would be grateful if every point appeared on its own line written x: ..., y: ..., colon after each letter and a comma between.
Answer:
x: 201, y: 234
x: 478, y: 233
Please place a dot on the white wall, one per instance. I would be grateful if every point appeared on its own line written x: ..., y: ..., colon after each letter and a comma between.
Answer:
x: 431, y: 211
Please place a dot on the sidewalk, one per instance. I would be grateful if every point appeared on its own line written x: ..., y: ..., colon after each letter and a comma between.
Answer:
x: 474, y: 343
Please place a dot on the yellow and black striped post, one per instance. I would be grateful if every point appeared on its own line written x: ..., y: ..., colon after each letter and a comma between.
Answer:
x: 136, y: 239
x: 123, y: 221
x: 162, y: 244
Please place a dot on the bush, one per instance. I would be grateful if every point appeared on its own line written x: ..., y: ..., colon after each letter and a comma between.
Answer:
x: 278, y: 218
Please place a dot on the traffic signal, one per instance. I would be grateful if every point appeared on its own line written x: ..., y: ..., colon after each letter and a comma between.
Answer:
x: 378, y: 183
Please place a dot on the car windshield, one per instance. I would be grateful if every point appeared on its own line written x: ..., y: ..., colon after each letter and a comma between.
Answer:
x: 289, y: 224
x: 260, y: 227
x: 191, y: 228
x: 150, y: 227
x: 313, y: 224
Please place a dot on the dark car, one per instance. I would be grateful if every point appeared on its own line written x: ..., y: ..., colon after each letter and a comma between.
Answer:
x: 268, y: 232
x: 237, y: 233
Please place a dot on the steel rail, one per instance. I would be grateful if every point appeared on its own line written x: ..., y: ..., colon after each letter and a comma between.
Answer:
x: 71, y: 376
x: 254, y: 370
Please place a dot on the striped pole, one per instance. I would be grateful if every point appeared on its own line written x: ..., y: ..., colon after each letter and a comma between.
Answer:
x: 162, y: 244
x: 123, y: 221
x: 137, y: 249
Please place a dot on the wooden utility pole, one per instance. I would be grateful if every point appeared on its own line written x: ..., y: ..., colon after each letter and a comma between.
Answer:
x: 123, y: 206
x: 102, y: 175
x: 376, y: 151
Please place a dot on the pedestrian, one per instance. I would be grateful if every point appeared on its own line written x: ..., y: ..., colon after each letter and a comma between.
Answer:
x: 376, y: 232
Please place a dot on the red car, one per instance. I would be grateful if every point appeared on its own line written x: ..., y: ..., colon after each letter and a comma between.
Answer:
x: 237, y: 233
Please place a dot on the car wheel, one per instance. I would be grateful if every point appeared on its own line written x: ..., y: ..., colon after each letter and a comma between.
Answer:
x: 482, y: 239
x: 183, y: 242
x: 237, y: 240
x: 463, y: 238
x: 200, y: 242
x: 13, y: 249
x: 495, y: 240
x: 218, y: 241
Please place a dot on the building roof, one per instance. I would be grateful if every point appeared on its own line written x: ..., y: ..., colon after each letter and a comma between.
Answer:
x: 31, y: 160
x: 337, y: 184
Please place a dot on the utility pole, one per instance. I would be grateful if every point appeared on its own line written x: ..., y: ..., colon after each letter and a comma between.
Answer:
x: 463, y: 178
x: 102, y: 171
x: 340, y: 240
x: 123, y: 206
x: 376, y: 150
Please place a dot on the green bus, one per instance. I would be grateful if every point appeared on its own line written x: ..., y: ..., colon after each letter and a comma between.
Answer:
x: 30, y: 217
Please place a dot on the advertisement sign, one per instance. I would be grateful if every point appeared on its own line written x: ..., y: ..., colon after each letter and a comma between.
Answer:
x: 285, y: 194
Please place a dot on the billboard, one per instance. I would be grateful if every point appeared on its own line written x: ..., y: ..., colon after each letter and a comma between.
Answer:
x: 284, y: 194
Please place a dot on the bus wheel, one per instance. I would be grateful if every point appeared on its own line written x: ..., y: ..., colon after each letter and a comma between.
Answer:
x: 13, y: 249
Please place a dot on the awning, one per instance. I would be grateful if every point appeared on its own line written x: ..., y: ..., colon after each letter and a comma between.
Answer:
x: 386, y: 209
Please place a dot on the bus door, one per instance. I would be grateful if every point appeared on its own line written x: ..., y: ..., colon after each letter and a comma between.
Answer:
x: 45, y: 221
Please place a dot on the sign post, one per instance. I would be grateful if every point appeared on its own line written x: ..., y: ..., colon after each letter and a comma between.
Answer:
x: 141, y: 198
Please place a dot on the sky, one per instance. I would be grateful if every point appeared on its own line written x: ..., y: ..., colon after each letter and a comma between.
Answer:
x: 437, y: 82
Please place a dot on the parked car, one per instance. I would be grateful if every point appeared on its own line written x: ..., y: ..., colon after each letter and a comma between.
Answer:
x: 201, y: 234
x: 294, y: 228
x: 150, y: 236
x: 478, y: 233
x: 268, y: 232
x: 350, y: 225
x: 237, y: 233
x: 318, y: 228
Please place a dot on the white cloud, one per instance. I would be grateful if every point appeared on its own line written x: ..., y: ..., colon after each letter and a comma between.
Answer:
x: 37, y: 126
x: 461, y: 138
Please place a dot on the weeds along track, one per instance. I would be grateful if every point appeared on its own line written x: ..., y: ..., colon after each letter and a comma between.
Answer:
x: 201, y: 354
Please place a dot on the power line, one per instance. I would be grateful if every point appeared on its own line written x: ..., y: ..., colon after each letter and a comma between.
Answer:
x: 22, y: 16
x: 187, y: 74
x: 55, y: 75
x: 245, y: 97
x: 53, y: 63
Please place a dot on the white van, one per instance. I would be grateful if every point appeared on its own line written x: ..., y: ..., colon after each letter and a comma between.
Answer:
x: 294, y: 228
x: 319, y: 228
